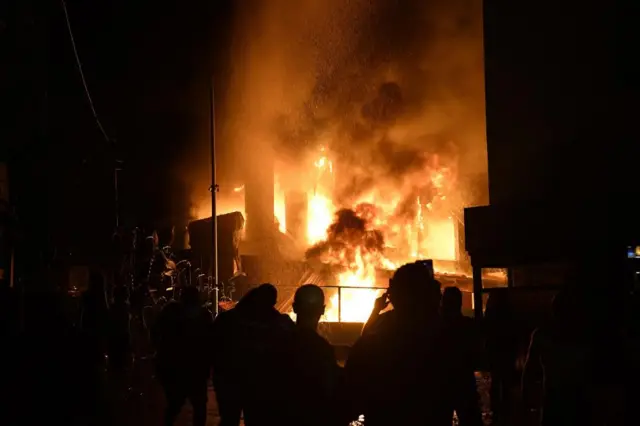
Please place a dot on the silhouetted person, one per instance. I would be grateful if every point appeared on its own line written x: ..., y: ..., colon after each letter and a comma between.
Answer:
x: 379, y: 305
x: 182, y: 337
x: 561, y: 354
x: 462, y: 337
x: 463, y: 327
x: 250, y: 343
x: 313, y: 369
x: 226, y: 365
x: 397, y: 372
x: 502, y: 351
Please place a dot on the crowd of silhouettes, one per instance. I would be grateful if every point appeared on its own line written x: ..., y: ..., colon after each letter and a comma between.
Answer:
x: 415, y: 363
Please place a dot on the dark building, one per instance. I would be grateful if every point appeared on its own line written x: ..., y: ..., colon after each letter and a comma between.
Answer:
x: 560, y: 153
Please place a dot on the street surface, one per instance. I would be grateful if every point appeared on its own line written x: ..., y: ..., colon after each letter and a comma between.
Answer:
x: 144, y: 404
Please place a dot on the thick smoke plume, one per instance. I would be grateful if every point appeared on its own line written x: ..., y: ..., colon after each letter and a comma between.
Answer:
x: 349, y: 232
x: 389, y: 88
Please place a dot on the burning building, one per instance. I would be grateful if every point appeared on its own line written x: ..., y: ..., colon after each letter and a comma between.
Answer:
x: 360, y: 134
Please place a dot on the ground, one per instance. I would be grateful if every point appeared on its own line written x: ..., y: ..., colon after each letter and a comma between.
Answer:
x: 143, y: 406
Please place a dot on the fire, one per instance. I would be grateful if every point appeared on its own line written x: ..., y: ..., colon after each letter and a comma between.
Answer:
x: 320, y: 215
x: 425, y: 230
x: 351, y: 305
x: 416, y: 217
x: 356, y: 295
x: 279, y: 209
x: 320, y: 207
x: 356, y: 292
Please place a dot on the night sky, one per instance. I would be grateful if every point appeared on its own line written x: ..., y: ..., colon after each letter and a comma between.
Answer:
x: 147, y: 65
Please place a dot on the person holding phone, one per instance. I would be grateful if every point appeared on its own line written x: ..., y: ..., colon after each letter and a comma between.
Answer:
x: 423, y: 267
x: 379, y: 306
x: 397, y: 372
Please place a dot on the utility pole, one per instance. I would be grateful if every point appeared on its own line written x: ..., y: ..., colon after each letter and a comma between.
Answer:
x: 214, y: 190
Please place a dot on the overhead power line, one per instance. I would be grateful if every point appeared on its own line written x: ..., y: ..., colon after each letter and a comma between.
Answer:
x: 79, y: 64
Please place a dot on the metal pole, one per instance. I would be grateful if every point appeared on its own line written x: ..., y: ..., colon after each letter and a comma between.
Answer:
x: 214, y: 190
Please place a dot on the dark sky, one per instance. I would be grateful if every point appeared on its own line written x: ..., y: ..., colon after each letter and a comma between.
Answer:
x: 147, y: 65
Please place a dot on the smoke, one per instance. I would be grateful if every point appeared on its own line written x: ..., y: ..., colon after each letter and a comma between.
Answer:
x: 348, y: 233
x: 404, y: 84
x: 390, y: 88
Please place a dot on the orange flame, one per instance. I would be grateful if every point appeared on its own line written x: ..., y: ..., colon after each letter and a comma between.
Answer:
x: 430, y: 234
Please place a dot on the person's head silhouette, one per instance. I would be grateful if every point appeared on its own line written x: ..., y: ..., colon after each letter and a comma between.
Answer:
x: 308, y: 305
x: 259, y: 300
x: 413, y: 291
x: 451, y: 302
x: 266, y: 295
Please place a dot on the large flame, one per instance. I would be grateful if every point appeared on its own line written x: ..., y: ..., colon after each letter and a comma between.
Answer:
x: 355, y: 299
x: 425, y: 229
x: 320, y: 207
x: 279, y: 210
x: 339, y: 76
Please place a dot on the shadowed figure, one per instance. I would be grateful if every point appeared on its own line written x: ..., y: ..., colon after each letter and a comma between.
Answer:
x: 502, y: 350
x: 249, y: 359
x: 182, y: 337
x: 399, y: 372
x: 463, y: 340
x: 314, y: 372
x: 561, y: 354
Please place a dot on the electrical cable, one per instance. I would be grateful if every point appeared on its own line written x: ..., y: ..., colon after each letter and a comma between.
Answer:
x: 79, y: 65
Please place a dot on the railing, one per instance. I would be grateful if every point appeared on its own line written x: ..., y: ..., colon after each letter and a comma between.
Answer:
x: 286, y: 295
x: 341, y: 288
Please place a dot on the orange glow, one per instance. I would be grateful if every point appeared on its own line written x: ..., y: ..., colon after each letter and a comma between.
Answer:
x: 424, y: 229
x: 224, y: 205
x: 320, y: 215
x: 430, y: 233
x: 320, y: 208
x: 228, y: 202
x: 279, y: 210
x: 355, y: 304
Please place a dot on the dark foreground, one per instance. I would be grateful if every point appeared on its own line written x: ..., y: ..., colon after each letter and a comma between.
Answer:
x: 143, y: 405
